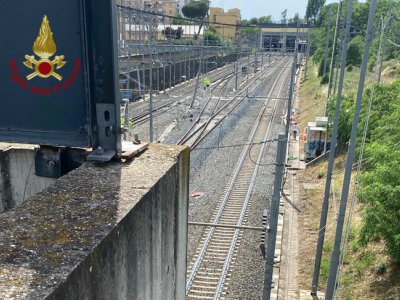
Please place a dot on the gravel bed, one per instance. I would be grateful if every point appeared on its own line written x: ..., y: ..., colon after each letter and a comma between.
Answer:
x: 248, y: 272
x: 211, y: 170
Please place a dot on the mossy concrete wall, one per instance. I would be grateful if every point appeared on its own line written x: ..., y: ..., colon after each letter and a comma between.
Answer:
x: 17, y: 175
x: 104, y: 231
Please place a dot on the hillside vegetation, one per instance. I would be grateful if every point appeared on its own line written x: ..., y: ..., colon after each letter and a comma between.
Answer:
x: 371, y: 266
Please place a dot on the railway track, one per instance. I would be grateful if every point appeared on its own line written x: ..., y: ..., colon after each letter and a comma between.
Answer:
x: 144, y: 117
x: 199, y: 130
x: 207, y: 276
x: 162, y: 108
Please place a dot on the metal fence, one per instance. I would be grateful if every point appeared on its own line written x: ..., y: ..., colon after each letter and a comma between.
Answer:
x: 175, y: 50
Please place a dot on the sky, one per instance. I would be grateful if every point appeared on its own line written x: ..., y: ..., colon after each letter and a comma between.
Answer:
x: 257, y: 8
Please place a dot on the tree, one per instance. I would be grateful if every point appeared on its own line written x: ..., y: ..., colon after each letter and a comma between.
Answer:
x: 265, y: 19
x: 197, y: 10
x: 380, y: 183
x: 284, y: 17
x: 250, y: 33
x: 254, y: 21
x: 295, y: 19
x: 312, y: 10
x: 212, y: 37
x: 355, y: 51
x: 179, y: 20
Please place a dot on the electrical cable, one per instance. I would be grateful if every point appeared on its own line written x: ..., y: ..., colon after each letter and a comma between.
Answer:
x: 196, y: 21
x: 356, y: 182
x: 254, y: 162
x: 236, y: 145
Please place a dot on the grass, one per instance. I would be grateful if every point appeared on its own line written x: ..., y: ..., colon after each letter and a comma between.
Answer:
x: 368, y: 273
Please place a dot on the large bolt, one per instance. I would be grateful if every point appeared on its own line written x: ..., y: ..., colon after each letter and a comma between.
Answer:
x: 51, y: 164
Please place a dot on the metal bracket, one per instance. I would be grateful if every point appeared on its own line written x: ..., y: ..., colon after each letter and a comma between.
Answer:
x: 107, y: 132
x: 55, y: 162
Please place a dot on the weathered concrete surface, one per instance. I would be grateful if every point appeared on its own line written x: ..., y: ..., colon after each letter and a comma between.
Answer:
x: 17, y: 175
x: 112, y: 231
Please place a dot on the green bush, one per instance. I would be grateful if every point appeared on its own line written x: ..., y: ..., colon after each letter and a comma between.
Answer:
x: 328, y: 247
x: 321, y: 67
x: 355, y: 51
x: 325, y: 79
x: 324, y: 270
x: 381, y: 268
x: 380, y: 181
x: 349, y: 68
x: 366, y: 260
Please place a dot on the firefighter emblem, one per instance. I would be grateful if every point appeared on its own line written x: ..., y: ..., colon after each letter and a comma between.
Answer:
x: 44, y: 47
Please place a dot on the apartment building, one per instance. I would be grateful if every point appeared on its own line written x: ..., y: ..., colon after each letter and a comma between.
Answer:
x: 232, y: 16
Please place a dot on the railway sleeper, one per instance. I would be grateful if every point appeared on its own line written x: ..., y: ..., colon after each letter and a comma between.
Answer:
x: 199, y: 297
x: 195, y: 291
x: 219, y: 247
x: 206, y: 276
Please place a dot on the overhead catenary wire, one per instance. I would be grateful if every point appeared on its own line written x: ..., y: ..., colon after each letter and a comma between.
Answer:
x: 356, y: 182
x: 235, y: 145
x: 198, y: 21
x: 335, y: 257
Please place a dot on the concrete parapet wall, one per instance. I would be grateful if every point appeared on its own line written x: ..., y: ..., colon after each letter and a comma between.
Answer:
x: 17, y: 175
x: 112, y: 231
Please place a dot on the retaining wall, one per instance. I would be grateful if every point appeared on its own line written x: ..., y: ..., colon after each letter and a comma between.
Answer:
x: 103, y: 231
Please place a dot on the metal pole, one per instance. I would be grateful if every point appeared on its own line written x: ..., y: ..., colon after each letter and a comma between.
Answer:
x: 291, y: 87
x: 384, y: 45
x: 206, y: 58
x: 261, y: 46
x: 381, y: 63
x: 335, y: 81
x: 333, y: 49
x: 189, y: 67
x: 185, y: 63
x: 237, y: 70
x: 163, y: 66
x: 273, y: 222
x: 138, y: 76
x: 174, y: 63
x: 170, y: 59
x: 325, y: 204
x: 158, y: 74
x: 333, y: 268
x: 129, y: 51
x: 270, y: 52
x: 248, y: 60
x: 143, y: 53
x: 307, y: 55
x: 255, y: 54
x: 151, y: 77
x: 327, y: 40
x: 198, y: 73
x: 180, y: 64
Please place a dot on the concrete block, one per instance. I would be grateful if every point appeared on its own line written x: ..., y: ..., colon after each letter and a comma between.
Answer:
x: 104, y: 231
x: 17, y: 175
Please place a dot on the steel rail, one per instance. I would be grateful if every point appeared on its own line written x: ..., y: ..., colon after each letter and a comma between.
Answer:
x: 144, y: 117
x: 188, y: 135
x: 224, y: 81
x: 203, y: 127
x: 219, y: 213
x: 200, y: 138
x: 249, y: 190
